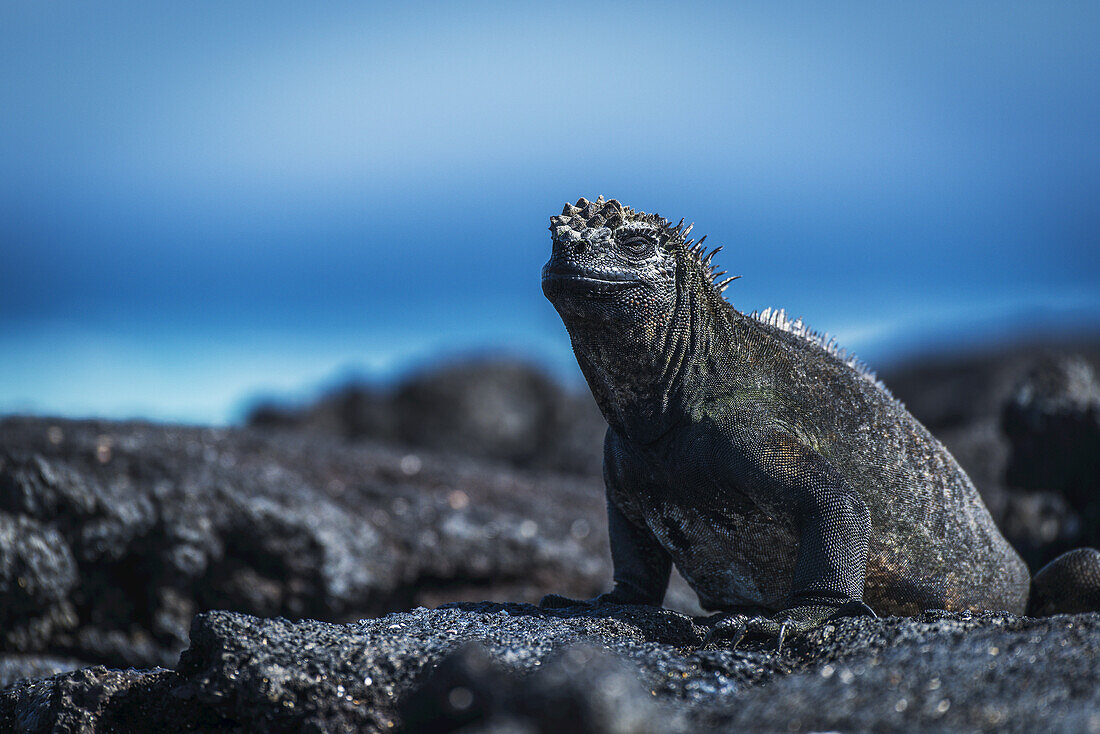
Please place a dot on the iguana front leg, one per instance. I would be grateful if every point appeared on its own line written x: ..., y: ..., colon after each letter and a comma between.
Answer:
x: 642, y: 567
x: 788, y: 477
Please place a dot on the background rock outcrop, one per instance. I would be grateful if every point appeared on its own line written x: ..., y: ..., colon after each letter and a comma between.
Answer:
x: 501, y: 409
x: 112, y: 536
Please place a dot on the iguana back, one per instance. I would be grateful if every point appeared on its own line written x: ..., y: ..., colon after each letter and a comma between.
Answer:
x: 933, y: 543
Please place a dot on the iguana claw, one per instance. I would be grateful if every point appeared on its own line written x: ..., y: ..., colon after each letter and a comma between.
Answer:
x: 736, y: 628
x: 726, y: 628
x: 784, y: 626
x: 780, y: 637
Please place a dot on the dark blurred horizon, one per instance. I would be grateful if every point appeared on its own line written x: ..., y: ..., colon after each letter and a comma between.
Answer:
x: 205, y: 203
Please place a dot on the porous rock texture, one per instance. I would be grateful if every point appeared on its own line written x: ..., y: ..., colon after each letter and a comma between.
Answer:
x: 515, y: 668
x: 113, y: 535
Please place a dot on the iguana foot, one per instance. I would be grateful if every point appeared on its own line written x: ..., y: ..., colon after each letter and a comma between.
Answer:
x: 781, y: 627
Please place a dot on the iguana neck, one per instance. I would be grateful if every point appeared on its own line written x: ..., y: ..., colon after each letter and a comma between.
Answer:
x: 645, y: 375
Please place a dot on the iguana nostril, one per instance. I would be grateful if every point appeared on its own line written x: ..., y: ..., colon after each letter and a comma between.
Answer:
x: 580, y: 247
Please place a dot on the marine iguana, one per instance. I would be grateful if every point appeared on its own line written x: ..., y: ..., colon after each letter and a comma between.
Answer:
x: 780, y: 476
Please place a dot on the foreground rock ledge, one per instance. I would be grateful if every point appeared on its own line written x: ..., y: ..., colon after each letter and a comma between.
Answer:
x: 514, y: 667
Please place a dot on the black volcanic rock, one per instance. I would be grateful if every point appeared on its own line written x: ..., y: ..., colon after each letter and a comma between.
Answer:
x: 37, y: 574
x: 113, y: 535
x: 499, y: 667
x: 1053, y: 426
x: 15, y: 667
x: 501, y: 409
x: 1052, y: 423
x: 578, y: 688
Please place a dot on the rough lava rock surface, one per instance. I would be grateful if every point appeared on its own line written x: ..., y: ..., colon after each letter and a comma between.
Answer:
x: 113, y: 535
x: 516, y: 668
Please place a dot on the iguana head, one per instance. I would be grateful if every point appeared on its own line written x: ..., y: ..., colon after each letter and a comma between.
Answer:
x: 613, y: 264
x: 609, y: 263
x: 635, y: 295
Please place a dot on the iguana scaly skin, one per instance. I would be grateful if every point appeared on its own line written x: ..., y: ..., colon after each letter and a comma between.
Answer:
x: 783, y: 480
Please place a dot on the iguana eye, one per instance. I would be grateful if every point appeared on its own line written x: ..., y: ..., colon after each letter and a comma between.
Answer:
x: 637, y: 243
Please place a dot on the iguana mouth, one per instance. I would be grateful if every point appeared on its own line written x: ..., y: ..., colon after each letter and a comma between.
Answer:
x: 589, y: 279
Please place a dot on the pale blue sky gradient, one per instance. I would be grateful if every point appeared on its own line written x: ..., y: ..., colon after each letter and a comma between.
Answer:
x: 199, y: 202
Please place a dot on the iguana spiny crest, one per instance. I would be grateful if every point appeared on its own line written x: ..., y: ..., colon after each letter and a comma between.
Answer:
x: 628, y: 248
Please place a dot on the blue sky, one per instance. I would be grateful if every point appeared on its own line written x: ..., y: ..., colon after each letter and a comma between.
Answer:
x: 199, y: 203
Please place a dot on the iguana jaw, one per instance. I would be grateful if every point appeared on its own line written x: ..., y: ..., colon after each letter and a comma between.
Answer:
x: 557, y: 277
